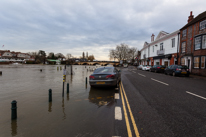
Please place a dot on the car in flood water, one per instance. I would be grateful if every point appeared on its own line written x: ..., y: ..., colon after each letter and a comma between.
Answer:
x: 105, y: 77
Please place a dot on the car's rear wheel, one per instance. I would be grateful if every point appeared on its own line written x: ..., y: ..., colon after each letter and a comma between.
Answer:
x: 165, y: 73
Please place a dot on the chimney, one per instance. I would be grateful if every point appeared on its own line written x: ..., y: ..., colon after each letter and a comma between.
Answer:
x: 152, y: 37
x: 190, y: 18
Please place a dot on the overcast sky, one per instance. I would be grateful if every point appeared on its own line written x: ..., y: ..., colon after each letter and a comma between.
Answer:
x: 93, y: 26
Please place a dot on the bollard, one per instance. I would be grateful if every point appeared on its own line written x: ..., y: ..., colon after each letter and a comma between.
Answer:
x: 57, y: 68
x: 86, y: 80
x: 40, y: 69
x: 60, y: 68
x: 13, y: 109
x: 50, y: 95
x: 0, y: 72
x: 67, y: 87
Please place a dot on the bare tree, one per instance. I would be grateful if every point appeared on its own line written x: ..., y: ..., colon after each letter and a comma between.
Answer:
x: 120, y: 53
x: 91, y: 57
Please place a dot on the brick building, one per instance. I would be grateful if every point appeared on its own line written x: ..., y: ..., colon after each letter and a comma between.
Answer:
x: 192, y: 49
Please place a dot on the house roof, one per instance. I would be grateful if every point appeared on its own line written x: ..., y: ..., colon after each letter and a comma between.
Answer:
x: 196, y: 19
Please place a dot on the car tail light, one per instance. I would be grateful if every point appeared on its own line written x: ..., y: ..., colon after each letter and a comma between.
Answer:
x: 158, y: 67
x: 178, y: 69
x: 110, y: 76
x: 91, y: 77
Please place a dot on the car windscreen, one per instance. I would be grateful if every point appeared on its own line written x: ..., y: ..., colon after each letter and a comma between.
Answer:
x: 183, y: 67
x: 104, y: 70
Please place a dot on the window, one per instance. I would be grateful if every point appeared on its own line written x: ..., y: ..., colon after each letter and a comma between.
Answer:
x: 183, y: 47
x: 203, y: 24
x: 204, y: 42
x: 161, y: 46
x: 153, y: 48
x: 182, y: 61
x: 197, y: 42
x: 184, y: 33
x: 196, y: 62
x: 173, y: 42
x: 203, y: 62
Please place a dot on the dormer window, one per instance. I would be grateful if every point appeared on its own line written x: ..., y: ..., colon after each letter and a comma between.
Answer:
x: 202, y: 24
x: 161, y: 46
x: 184, y: 33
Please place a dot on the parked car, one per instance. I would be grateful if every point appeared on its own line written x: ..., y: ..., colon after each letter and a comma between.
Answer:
x: 146, y: 67
x: 176, y: 70
x: 105, y: 76
x: 157, y: 68
x: 139, y: 67
x: 125, y: 65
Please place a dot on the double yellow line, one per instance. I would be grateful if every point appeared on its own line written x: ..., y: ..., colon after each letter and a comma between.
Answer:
x: 122, y: 92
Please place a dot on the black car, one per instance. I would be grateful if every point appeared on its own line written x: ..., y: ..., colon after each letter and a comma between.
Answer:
x: 176, y: 70
x: 104, y: 77
x: 157, y: 68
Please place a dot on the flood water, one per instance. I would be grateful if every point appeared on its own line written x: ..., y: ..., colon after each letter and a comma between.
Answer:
x: 81, y: 113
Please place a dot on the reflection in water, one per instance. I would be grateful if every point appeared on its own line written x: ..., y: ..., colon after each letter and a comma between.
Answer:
x: 102, y: 97
x: 50, y: 107
x: 14, y: 127
x: 67, y: 97
x: 63, y: 109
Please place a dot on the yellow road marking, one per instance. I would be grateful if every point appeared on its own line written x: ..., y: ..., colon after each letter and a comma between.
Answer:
x: 125, y: 115
x: 131, y: 115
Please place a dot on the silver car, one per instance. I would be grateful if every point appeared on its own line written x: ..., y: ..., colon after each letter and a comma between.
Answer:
x: 105, y: 76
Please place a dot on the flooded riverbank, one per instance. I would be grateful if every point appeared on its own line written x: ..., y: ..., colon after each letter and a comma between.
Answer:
x: 75, y: 114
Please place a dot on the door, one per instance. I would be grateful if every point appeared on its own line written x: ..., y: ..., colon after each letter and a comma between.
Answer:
x: 188, y: 64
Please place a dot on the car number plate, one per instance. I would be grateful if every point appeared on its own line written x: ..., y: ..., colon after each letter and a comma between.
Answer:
x: 162, y: 68
x: 100, y: 82
x: 183, y: 72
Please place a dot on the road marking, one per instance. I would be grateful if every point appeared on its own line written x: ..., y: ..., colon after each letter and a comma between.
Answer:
x: 160, y: 82
x: 116, y: 96
x: 118, y: 113
x: 196, y: 95
x: 125, y: 115
x: 131, y: 115
x: 141, y: 75
x: 133, y: 72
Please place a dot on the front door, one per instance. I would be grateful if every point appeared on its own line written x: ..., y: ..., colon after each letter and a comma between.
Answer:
x: 188, y: 64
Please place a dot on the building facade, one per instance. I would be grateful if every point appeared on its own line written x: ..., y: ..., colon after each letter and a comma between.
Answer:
x: 161, y: 51
x: 193, y: 44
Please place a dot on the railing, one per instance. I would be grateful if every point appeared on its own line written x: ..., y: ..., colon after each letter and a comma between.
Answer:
x: 161, y: 52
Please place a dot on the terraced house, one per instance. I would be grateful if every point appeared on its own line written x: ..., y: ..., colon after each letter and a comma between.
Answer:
x: 193, y: 44
x: 161, y: 51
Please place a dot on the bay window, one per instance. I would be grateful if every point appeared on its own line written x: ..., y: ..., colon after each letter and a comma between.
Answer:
x: 196, y: 62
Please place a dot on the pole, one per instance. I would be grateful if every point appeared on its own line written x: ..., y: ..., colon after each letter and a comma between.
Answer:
x: 13, y: 110
x: 63, y: 85
x: 50, y: 95
x: 86, y: 80
x: 67, y: 87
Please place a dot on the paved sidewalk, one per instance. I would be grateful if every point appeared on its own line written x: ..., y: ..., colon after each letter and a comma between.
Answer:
x: 197, y: 77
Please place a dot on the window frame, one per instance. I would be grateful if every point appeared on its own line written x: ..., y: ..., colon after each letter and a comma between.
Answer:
x: 173, y: 42
x: 202, y: 24
x: 196, y: 62
x: 202, y: 62
x: 161, y: 46
x: 184, y: 47
x: 184, y: 33
x: 182, y: 60
x: 203, y: 42
x: 153, y: 48
x: 200, y: 43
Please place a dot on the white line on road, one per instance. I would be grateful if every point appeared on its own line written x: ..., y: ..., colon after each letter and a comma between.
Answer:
x: 133, y: 72
x: 118, y: 113
x: 160, y: 82
x: 116, y: 95
x: 141, y: 75
x: 195, y: 95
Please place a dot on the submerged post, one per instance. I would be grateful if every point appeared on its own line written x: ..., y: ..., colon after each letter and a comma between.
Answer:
x: 13, y: 110
x: 63, y: 85
x: 86, y: 80
x: 0, y: 72
x: 50, y: 95
x: 67, y: 87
